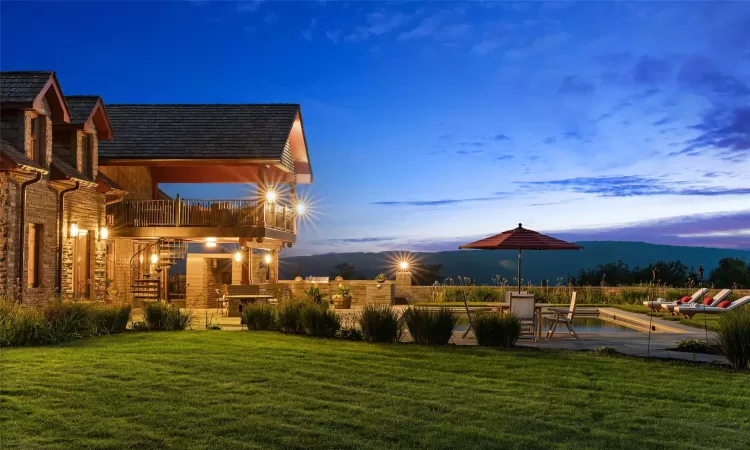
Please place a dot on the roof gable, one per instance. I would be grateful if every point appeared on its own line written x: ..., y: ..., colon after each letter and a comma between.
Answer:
x: 28, y: 89
x: 85, y: 109
x: 233, y: 131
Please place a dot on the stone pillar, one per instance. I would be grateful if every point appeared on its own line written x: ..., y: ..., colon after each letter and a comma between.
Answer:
x: 246, y: 255
x: 273, y: 273
x: 403, y: 283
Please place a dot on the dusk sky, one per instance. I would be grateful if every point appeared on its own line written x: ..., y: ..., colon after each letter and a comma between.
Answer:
x: 433, y: 124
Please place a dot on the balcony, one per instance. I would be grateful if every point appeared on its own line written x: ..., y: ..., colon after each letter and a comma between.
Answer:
x: 184, y: 218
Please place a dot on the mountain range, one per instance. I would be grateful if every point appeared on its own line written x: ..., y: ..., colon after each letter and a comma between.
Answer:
x: 482, y: 265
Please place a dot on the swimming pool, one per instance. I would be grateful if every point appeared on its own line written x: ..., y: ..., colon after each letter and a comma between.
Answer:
x: 580, y: 324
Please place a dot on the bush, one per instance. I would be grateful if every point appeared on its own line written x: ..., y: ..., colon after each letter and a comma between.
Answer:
x: 288, y: 317
x: 139, y: 326
x: 432, y: 327
x: 259, y: 316
x: 110, y: 319
x: 693, y: 345
x: 68, y: 321
x: 380, y: 324
x: 320, y: 322
x: 494, y: 330
x: 162, y: 317
x: 350, y: 334
x: 21, y: 325
x: 733, y: 336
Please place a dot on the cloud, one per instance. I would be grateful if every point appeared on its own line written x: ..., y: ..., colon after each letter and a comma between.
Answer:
x: 540, y: 45
x: 629, y: 186
x: 613, y: 59
x: 449, y: 201
x: 341, y: 241
x: 503, y: 158
x: 426, y: 28
x: 573, y: 85
x: 501, y: 137
x: 663, y: 121
x: 600, y: 118
x: 334, y: 35
x: 307, y: 34
x: 725, y: 132
x: 488, y: 44
x: 468, y: 152
x: 378, y: 23
x: 550, y: 140
x: 698, y: 74
x: 649, y: 70
x: 249, y: 6
x: 575, y: 135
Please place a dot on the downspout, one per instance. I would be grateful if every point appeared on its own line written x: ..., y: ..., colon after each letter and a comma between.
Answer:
x: 60, y: 213
x: 22, y: 229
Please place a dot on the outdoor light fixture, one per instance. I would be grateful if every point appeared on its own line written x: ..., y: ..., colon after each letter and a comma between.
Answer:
x: 270, y: 195
x: 300, y: 209
x: 267, y: 258
x: 104, y: 233
x: 154, y: 258
x: 211, y: 242
x: 403, y: 265
x: 238, y: 256
x: 73, y: 229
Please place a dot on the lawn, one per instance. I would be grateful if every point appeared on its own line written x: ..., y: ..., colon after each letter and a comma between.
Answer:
x: 702, y: 321
x: 221, y: 389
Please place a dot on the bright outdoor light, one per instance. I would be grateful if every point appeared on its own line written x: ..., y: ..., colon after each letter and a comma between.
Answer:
x: 403, y: 265
x: 73, y: 229
x: 211, y: 242
x: 238, y: 256
x: 267, y: 258
x: 104, y: 233
x: 300, y: 209
x: 154, y: 258
x: 270, y: 195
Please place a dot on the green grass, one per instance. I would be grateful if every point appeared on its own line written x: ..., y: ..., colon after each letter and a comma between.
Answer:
x: 206, y: 389
x: 702, y: 321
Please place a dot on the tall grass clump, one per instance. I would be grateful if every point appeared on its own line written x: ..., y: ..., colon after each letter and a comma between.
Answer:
x: 494, y: 330
x: 288, y: 317
x: 162, y: 317
x: 259, y: 316
x: 733, y: 336
x: 379, y: 323
x: 110, y: 319
x: 319, y: 321
x: 21, y: 325
x: 69, y: 320
x: 430, y: 326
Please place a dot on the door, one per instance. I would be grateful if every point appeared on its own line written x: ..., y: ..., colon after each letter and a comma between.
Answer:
x: 82, y: 266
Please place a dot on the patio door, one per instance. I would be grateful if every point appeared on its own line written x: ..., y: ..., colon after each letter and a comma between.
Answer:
x: 82, y: 266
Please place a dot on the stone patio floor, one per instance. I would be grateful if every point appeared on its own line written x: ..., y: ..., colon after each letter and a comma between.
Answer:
x: 658, y: 345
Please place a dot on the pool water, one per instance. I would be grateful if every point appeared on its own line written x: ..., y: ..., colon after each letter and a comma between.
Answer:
x: 580, y: 324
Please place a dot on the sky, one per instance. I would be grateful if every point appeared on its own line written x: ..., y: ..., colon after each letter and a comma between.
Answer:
x: 433, y: 124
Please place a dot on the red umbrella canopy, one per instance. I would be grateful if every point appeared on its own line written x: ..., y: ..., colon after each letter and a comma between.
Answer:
x: 521, y: 239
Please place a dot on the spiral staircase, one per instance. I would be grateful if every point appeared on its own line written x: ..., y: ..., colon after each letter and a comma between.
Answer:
x: 146, y: 277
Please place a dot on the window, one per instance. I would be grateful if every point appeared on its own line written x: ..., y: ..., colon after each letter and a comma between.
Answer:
x: 36, y: 141
x: 85, y: 151
x: 34, y: 264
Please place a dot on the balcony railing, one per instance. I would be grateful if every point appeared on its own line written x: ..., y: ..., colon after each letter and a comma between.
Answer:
x: 200, y: 213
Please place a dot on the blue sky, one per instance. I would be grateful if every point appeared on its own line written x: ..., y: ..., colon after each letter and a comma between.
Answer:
x: 431, y: 124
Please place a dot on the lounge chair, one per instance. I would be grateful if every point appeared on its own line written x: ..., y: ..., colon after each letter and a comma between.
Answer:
x: 655, y: 305
x: 523, y: 306
x: 564, y: 316
x: 689, y: 312
x: 708, y: 301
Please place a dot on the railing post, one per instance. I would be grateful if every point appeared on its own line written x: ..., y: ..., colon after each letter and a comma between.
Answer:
x: 262, y: 186
x: 177, y: 209
x: 293, y: 195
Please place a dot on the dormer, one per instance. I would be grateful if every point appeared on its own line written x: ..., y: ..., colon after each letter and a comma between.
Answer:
x: 77, y: 142
x: 29, y: 103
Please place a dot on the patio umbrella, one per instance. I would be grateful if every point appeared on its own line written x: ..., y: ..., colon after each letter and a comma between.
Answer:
x: 520, y: 239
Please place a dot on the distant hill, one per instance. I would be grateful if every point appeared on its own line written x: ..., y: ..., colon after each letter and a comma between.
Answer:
x: 537, y: 265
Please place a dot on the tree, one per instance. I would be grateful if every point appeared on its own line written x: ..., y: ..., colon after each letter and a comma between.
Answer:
x: 731, y: 272
x: 345, y: 271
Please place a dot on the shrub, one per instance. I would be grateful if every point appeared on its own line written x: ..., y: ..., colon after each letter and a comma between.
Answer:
x: 733, y: 336
x: 433, y: 327
x: 288, y: 317
x: 110, y: 319
x: 68, y: 320
x: 350, y: 334
x: 494, y: 330
x: 320, y: 322
x: 606, y: 350
x: 380, y: 324
x: 162, y: 317
x: 259, y: 316
x: 693, y: 345
x: 21, y: 325
x: 139, y: 326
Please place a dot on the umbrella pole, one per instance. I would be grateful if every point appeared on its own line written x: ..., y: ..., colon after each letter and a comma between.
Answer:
x: 519, y: 270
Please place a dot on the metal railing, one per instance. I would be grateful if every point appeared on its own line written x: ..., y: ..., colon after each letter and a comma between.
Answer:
x: 200, y: 213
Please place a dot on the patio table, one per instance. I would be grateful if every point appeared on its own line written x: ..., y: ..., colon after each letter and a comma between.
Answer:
x: 538, y: 308
x: 243, y: 299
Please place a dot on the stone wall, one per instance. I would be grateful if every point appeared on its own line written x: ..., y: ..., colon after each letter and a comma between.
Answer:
x: 364, y: 292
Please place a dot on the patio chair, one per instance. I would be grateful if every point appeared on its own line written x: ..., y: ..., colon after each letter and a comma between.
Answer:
x: 221, y: 302
x: 657, y: 304
x: 708, y: 301
x: 564, y: 316
x: 721, y: 308
x: 523, y: 307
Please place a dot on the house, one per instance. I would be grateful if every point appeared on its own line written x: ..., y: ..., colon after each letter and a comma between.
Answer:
x: 83, y: 179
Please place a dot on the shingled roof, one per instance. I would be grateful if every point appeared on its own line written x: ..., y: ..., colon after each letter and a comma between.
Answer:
x: 19, y: 159
x: 249, y: 131
x: 80, y: 107
x: 22, y: 87
x: 63, y: 170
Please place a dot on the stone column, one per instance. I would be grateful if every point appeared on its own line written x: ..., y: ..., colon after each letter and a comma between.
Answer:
x: 273, y: 274
x: 403, y: 283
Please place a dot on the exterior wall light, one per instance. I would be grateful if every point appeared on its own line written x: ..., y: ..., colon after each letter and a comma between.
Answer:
x: 267, y: 258
x: 154, y: 258
x: 271, y: 195
x: 403, y: 265
x: 74, y: 229
x: 211, y: 242
x: 103, y: 233
x: 238, y: 256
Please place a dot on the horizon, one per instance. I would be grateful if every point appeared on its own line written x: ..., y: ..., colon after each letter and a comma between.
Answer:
x: 434, y: 124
